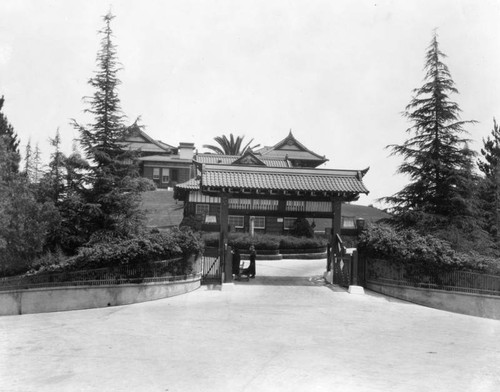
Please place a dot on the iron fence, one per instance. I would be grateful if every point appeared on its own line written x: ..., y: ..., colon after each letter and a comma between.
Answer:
x: 159, y: 271
x: 433, y: 278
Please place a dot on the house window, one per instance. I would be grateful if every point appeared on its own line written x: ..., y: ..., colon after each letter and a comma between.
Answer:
x: 288, y: 223
x: 348, y: 222
x: 165, y: 176
x: 202, y: 209
x: 236, y: 221
x: 156, y: 173
x: 259, y: 222
x: 211, y: 219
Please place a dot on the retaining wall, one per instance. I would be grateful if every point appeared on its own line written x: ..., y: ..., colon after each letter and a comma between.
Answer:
x: 479, y: 305
x: 55, y: 299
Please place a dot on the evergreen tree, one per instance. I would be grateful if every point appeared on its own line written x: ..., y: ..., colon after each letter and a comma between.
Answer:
x: 28, y: 160
x: 114, y: 189
x: 52, y: 185
x: 101, y: 140
x: 10, y: 144
x: 37, y: 164
x: 24, y: 223
x: 490, y: 167
x: 436, y: 157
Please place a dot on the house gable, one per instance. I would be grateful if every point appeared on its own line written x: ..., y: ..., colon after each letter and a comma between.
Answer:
x: 138, y: 140
x: 291, y: 149
x: 248, y: 158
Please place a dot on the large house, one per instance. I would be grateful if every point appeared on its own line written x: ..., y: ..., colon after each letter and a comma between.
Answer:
x: 164, y: 164
x: 277, y: 184
x: 266, y: 190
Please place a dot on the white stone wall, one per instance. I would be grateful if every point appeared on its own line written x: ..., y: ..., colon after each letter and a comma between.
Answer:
x: 56, y: 299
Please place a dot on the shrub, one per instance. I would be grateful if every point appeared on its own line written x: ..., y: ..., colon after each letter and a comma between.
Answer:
x: 288, y: 242
x: 260, y: 242
x: 302, y: 228
x: 421, y: 253
x: 140, y: 249
x: 189, y: 241
x: 211, y: 239
x: 50, y: 261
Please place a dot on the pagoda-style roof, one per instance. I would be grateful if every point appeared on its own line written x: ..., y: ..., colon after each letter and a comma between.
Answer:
x: 291, y: 149
x: 312, y: 183
x: 138, y: 140
x: 240, y: 178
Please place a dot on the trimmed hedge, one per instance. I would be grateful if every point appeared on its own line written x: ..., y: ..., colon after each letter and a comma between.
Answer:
x: 288, y: 242
x: 263, y: 242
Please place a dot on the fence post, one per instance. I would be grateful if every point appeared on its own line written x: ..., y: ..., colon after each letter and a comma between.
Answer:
x: 224, y: 211
x: 354, y: 268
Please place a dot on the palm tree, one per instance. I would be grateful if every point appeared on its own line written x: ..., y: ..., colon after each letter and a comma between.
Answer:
x: 230, y: 146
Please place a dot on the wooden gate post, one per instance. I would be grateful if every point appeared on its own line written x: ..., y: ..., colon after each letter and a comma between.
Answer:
x: 354, y: 268
x: 336, y: 223
x: 226, y: 268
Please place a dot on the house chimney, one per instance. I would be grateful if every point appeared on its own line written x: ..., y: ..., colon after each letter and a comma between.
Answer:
x: 186, y: 150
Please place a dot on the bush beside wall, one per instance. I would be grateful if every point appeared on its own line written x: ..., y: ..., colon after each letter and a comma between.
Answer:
x: 137, y: 250
x: 419, y: 253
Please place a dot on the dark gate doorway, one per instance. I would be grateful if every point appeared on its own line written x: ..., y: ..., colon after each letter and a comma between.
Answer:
x: 211, y: 271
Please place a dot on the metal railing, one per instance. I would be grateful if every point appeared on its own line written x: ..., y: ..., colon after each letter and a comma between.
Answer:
x: 211, y: 271
x: 459, y: 281
x: 145, y: 273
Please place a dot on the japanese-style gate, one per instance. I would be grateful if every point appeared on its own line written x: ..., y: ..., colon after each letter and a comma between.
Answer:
x: 291, y: 192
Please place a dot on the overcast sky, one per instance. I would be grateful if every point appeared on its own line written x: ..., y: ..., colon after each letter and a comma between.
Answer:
x: 337, y: 73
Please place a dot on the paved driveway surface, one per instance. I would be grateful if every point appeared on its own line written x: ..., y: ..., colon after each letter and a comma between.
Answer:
x: 285, y: 331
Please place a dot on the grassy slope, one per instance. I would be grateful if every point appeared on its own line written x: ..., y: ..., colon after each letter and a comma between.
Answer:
x: 161, y: 208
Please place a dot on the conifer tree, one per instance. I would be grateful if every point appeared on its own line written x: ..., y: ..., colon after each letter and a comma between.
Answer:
x: 436, y: 156
x: 114, y: 186
x: 28, y: 160
x: 24, y: 223
x: 51, y: 186
x: 490, y: 167
x: 37, y: 164
x: 10, y: 143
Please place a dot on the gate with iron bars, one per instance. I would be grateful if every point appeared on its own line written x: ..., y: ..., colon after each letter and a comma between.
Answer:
x: 341, y: 266
x: 211, y: 272
x: 344, y: 265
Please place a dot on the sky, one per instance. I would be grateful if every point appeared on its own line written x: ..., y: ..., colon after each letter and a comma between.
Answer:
x: 338, y: 74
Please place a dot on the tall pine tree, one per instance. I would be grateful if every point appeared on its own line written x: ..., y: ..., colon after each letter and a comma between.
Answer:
x: 10, y: 145
x: 436, y: 156
x: 114, y: 190
x: 490, y: 167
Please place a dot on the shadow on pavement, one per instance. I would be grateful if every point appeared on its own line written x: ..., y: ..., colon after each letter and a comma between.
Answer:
x: 283, y: 281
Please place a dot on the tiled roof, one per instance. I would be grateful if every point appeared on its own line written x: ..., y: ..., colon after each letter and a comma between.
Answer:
x: 292, y: 149
x: 228, y: 159
x: 192, y: 185
x: 266, y: 178
x: 293, y: 154
x: 164, y: 158
x: 137, y: 139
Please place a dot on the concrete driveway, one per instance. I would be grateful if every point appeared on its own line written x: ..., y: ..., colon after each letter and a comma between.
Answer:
x: 283, y: 331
